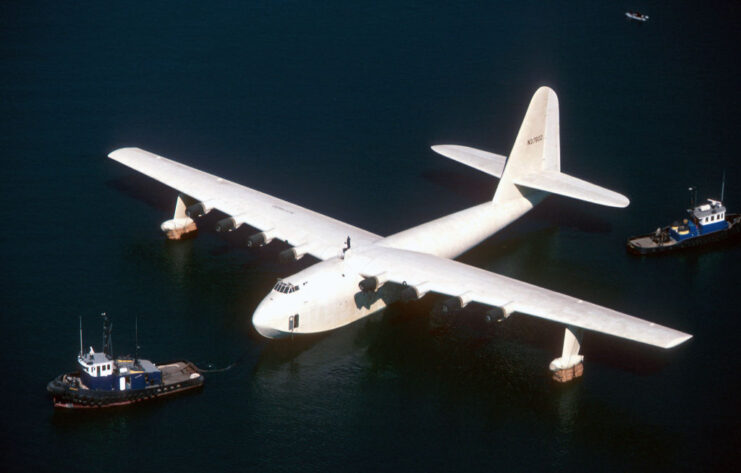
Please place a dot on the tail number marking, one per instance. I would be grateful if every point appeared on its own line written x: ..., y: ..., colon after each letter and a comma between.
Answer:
x: 535, y: 139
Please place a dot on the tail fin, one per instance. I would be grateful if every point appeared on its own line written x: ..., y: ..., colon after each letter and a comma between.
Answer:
x: 537, y: 147
x: 535, y: 160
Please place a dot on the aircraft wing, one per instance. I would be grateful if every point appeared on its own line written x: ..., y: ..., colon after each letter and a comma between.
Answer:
x: 431, y: 273
x: 316, y: 234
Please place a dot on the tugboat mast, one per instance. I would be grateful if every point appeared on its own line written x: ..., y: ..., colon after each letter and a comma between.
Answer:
x: 107, y: 342
x: 136, y: 340
x: 81, y: 349
x: 723, y: 186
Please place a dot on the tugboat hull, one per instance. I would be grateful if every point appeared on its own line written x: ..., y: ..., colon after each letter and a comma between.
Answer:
x: 69, y: 392
x: 647, y: 245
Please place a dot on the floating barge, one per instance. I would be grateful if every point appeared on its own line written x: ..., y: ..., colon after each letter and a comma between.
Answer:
x: 706, y: 224
x: 105, y: 381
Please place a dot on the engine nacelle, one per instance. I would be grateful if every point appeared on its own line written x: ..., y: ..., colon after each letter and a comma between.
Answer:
x: 494, y: 315
x: 259, y: 239
x: 197, y: 210
x: 409, y: 294
x: 228, y: 224
x: 291, y: 254
x: 498, y: 314
x: 372, y: 283
x: 413, y: 293
x: 369, y: 284
x: 453, y: 304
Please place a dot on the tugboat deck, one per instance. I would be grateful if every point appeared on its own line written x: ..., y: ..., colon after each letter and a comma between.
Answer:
x: 177, y: 372
x: 647, y: 241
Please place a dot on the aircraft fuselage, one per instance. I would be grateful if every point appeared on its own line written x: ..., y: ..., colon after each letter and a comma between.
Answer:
x: 326, y: 295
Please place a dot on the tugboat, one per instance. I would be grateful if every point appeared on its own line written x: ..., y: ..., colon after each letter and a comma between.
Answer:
x: 106, y: 381
x: 634, y: 15
x: 707, y: 223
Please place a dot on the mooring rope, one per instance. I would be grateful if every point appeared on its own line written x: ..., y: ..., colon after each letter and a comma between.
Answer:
x: 221, y: 370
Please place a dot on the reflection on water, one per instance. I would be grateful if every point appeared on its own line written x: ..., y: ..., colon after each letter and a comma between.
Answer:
x: 567, y: 402
x: 395, y: 370
x: 178, y: 256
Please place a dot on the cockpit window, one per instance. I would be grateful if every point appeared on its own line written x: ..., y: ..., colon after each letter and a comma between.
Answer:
x: 285, y: 288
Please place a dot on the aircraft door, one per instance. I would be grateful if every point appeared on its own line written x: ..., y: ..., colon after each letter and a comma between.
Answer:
x: 293, y: 322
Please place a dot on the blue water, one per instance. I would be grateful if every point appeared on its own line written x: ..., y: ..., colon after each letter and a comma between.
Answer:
x: 334, y: 105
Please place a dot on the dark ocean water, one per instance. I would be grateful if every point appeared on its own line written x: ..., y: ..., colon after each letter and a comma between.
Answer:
x: 333, y: 105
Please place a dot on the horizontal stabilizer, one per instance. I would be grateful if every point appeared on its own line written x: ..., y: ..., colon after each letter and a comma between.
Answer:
x: 559, y: 183
x: 484, y: 161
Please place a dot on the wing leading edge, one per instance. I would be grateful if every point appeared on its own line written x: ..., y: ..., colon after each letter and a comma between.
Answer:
x: 470, y: 284
x: 484, y: 161
x: 317, y: 234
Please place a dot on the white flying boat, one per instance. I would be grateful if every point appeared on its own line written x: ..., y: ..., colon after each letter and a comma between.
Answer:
x: 360, y: 273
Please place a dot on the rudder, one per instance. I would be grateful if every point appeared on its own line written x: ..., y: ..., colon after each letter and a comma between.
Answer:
x: 537, y: 146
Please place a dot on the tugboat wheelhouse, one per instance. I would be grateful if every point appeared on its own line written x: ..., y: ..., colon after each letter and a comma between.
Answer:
x: 103, y: 380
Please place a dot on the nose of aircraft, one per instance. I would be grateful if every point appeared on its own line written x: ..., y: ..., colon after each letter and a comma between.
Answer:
x: 266, y: 319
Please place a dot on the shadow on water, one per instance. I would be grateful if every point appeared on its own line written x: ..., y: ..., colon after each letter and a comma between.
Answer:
x: 473, y: 186
x: 146, y: 190
x: 492, y: 376
x: 535, y: 245
x: 567, y: 213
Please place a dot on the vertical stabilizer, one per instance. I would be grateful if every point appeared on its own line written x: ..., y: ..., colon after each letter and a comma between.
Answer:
x: 537, y: 147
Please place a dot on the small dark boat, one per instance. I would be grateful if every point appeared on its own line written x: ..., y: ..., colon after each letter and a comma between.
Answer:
x: 106, y: 381
x: 706, y: 224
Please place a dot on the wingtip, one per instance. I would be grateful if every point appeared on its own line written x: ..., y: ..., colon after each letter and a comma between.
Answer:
x: 444, y: 150
x: 116, y: 152
x: 615, y: 199
x: 623, y: 202
x: 679, y: 340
